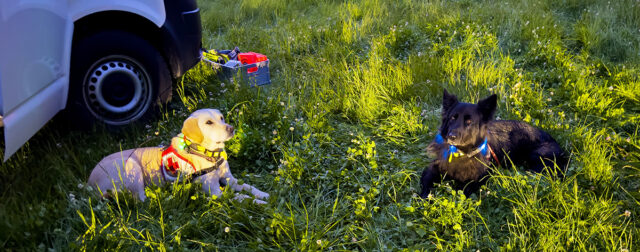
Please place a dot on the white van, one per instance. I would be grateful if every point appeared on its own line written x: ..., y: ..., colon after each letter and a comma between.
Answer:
x: 108, y: 61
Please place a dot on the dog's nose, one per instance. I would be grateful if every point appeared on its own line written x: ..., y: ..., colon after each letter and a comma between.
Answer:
x: 230, y: 129
x: 452, y: 136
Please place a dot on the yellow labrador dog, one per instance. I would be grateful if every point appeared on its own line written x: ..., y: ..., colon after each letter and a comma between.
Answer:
x: 198, y: 154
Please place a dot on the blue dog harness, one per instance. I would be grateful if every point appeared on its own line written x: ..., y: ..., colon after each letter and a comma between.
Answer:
x: 453, y: 151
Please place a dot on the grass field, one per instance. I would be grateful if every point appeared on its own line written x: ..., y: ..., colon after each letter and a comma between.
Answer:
x: 338, y: 138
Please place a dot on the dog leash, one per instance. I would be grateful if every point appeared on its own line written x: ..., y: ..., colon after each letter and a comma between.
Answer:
x: 204, y: 171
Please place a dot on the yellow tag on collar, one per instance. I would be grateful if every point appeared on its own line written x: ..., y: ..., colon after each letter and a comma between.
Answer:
x: 217, y: 154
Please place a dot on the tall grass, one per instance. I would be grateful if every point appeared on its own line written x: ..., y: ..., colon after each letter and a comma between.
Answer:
x: 338, y: 138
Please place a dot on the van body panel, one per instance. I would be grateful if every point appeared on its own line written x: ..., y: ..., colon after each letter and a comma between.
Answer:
x: 153, y: 10
x: 33, y: 114
x: 35, y: 56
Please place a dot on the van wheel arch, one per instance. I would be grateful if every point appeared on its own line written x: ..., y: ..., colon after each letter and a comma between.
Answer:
x: 116, y: 78
x: 129, y: 22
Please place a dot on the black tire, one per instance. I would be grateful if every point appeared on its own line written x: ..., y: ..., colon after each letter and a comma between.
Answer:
x: 116, y: 78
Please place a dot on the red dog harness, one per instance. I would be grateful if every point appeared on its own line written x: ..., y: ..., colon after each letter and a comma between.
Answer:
x: 173, y: 164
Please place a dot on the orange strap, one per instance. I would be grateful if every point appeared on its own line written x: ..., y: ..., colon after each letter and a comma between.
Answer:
x: 493, y: 154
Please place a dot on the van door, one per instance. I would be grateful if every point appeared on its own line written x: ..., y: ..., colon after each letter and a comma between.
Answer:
x: 35, y: 49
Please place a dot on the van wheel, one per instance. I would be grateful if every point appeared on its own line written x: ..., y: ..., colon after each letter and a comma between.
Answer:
x: 117, y: 78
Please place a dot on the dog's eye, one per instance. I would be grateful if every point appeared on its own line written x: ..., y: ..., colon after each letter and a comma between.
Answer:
x: 209, y: 122
x: 454, y: 117
x: 467, y: 122
x: 222, y: 119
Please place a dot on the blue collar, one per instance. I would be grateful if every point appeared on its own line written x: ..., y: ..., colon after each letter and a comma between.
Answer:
x: 453, y: 151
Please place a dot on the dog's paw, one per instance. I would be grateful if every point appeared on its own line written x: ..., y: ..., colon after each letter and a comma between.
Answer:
x: 242, y: 197
x: 262, y: 195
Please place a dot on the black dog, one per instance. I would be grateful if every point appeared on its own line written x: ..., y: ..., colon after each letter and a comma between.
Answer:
x: 470, y: 140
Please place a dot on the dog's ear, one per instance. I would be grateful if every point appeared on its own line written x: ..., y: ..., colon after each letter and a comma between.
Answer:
x: 487, y: 107
x: 448, y: 101
x: 191, y: 130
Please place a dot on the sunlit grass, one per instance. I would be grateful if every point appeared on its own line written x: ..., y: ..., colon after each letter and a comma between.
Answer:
x: 338, y: 138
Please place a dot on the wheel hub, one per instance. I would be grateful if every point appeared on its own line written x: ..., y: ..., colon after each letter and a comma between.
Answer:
x: 117, y: 90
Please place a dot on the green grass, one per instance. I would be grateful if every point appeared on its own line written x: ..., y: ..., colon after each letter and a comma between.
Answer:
x: 338, y: 138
